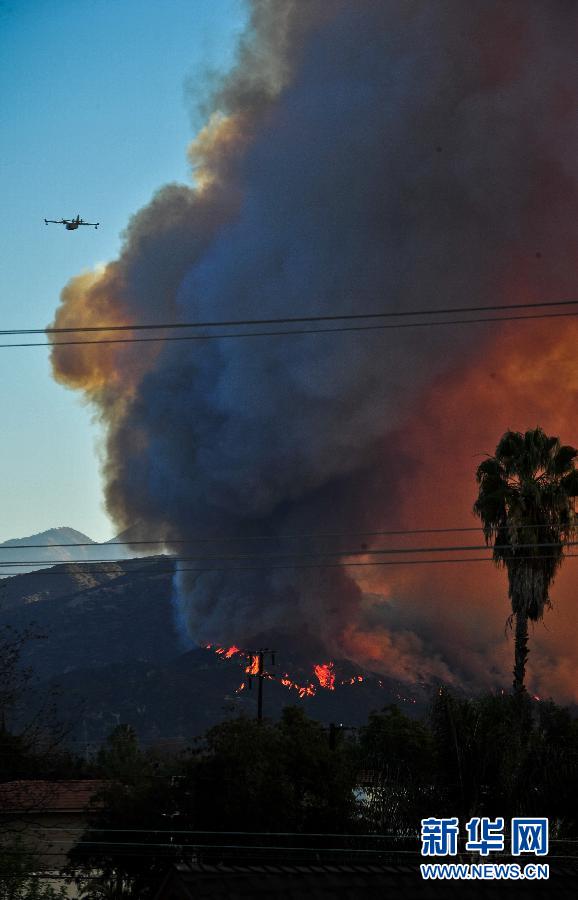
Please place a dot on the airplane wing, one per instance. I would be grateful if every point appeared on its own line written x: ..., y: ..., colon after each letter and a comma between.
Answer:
x: 95, y: 224
x: 54, y: 222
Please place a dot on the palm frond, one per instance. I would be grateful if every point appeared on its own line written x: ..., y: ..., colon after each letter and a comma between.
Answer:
x: 563, y: 460
x: 524, y: 501
x: 509, y: 450
x: 569, y: 483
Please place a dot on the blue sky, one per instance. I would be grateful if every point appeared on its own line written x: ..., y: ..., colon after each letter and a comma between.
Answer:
x: 98, y: 107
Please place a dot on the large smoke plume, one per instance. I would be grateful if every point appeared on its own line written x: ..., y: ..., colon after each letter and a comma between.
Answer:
x: 360, y: 157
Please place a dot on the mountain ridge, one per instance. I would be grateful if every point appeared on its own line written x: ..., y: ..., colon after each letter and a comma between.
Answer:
x: 60, y: 534
x: 48, y: 550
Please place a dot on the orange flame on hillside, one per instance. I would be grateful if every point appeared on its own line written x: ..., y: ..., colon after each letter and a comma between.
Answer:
x: 324, y: 672
x: 227, y: 652
x: 326, y: 675
x: 253, y: 667
x: 303, y: 690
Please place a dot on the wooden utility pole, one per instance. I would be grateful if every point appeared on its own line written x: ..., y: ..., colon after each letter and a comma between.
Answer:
x: 334, y: 731
x: 256, y: 669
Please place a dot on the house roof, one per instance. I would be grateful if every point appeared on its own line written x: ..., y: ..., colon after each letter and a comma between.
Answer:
x: 197, y: 881
x: 47, y: 796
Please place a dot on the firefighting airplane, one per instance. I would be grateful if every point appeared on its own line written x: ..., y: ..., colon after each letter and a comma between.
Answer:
x: 70, y: 224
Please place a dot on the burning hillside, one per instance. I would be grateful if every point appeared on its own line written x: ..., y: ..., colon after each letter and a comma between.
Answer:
x: 324, y: 676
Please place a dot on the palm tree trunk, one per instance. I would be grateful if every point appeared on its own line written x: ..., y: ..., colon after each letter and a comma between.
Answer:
x: 520, y: 652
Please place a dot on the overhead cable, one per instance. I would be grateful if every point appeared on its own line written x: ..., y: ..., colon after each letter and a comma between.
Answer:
x: 259, y: 537
x: 151, y: 571
x: 289, y: 320
x: 287, y: 333
x: 393, y: 551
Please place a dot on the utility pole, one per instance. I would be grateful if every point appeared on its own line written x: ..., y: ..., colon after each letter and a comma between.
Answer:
x: 256, y: 669
x: 335, y: 730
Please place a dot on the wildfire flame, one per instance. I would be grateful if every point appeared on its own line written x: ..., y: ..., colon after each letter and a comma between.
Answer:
x: 324, y: 672
x: 303, y: 690
x: 226, y: 652
x: 253, y: 667
x: 325, y: 675
x: 354, y: 680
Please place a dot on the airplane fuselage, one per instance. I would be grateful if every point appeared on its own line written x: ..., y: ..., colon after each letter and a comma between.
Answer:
x: 71, y: 224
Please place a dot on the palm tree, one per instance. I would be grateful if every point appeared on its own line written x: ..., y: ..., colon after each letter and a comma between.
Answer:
x: 526, y: 505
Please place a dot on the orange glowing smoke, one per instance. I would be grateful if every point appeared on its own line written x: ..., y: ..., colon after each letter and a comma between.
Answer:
x: 449, y: 618
x: 325, y: 675
x: 108, y: 373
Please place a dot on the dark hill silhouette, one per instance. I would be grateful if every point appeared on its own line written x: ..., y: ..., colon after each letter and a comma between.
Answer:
x: 93, y: 616
x: 112, y: 649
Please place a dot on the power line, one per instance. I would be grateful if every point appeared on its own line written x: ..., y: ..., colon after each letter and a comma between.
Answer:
x: 393, y: 551
x: 116, y: 848
x: 260, y: 537
x: 304, y: 834
x: 318, y: 553
x: 290, y: 320
x: 341, y: 565
x: 301, y: 331
x: 109, y: 849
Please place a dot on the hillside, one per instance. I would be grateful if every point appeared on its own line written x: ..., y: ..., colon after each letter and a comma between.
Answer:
x: 47, y: 547
x: 92, y: 617
x: 112, y: 653
x: 27, y: 554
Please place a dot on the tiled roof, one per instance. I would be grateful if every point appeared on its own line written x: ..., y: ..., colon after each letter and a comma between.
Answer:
x: 347, y: 882
x: 47, y: 796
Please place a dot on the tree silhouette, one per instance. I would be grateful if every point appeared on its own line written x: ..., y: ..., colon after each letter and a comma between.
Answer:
x: 525, y: 502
